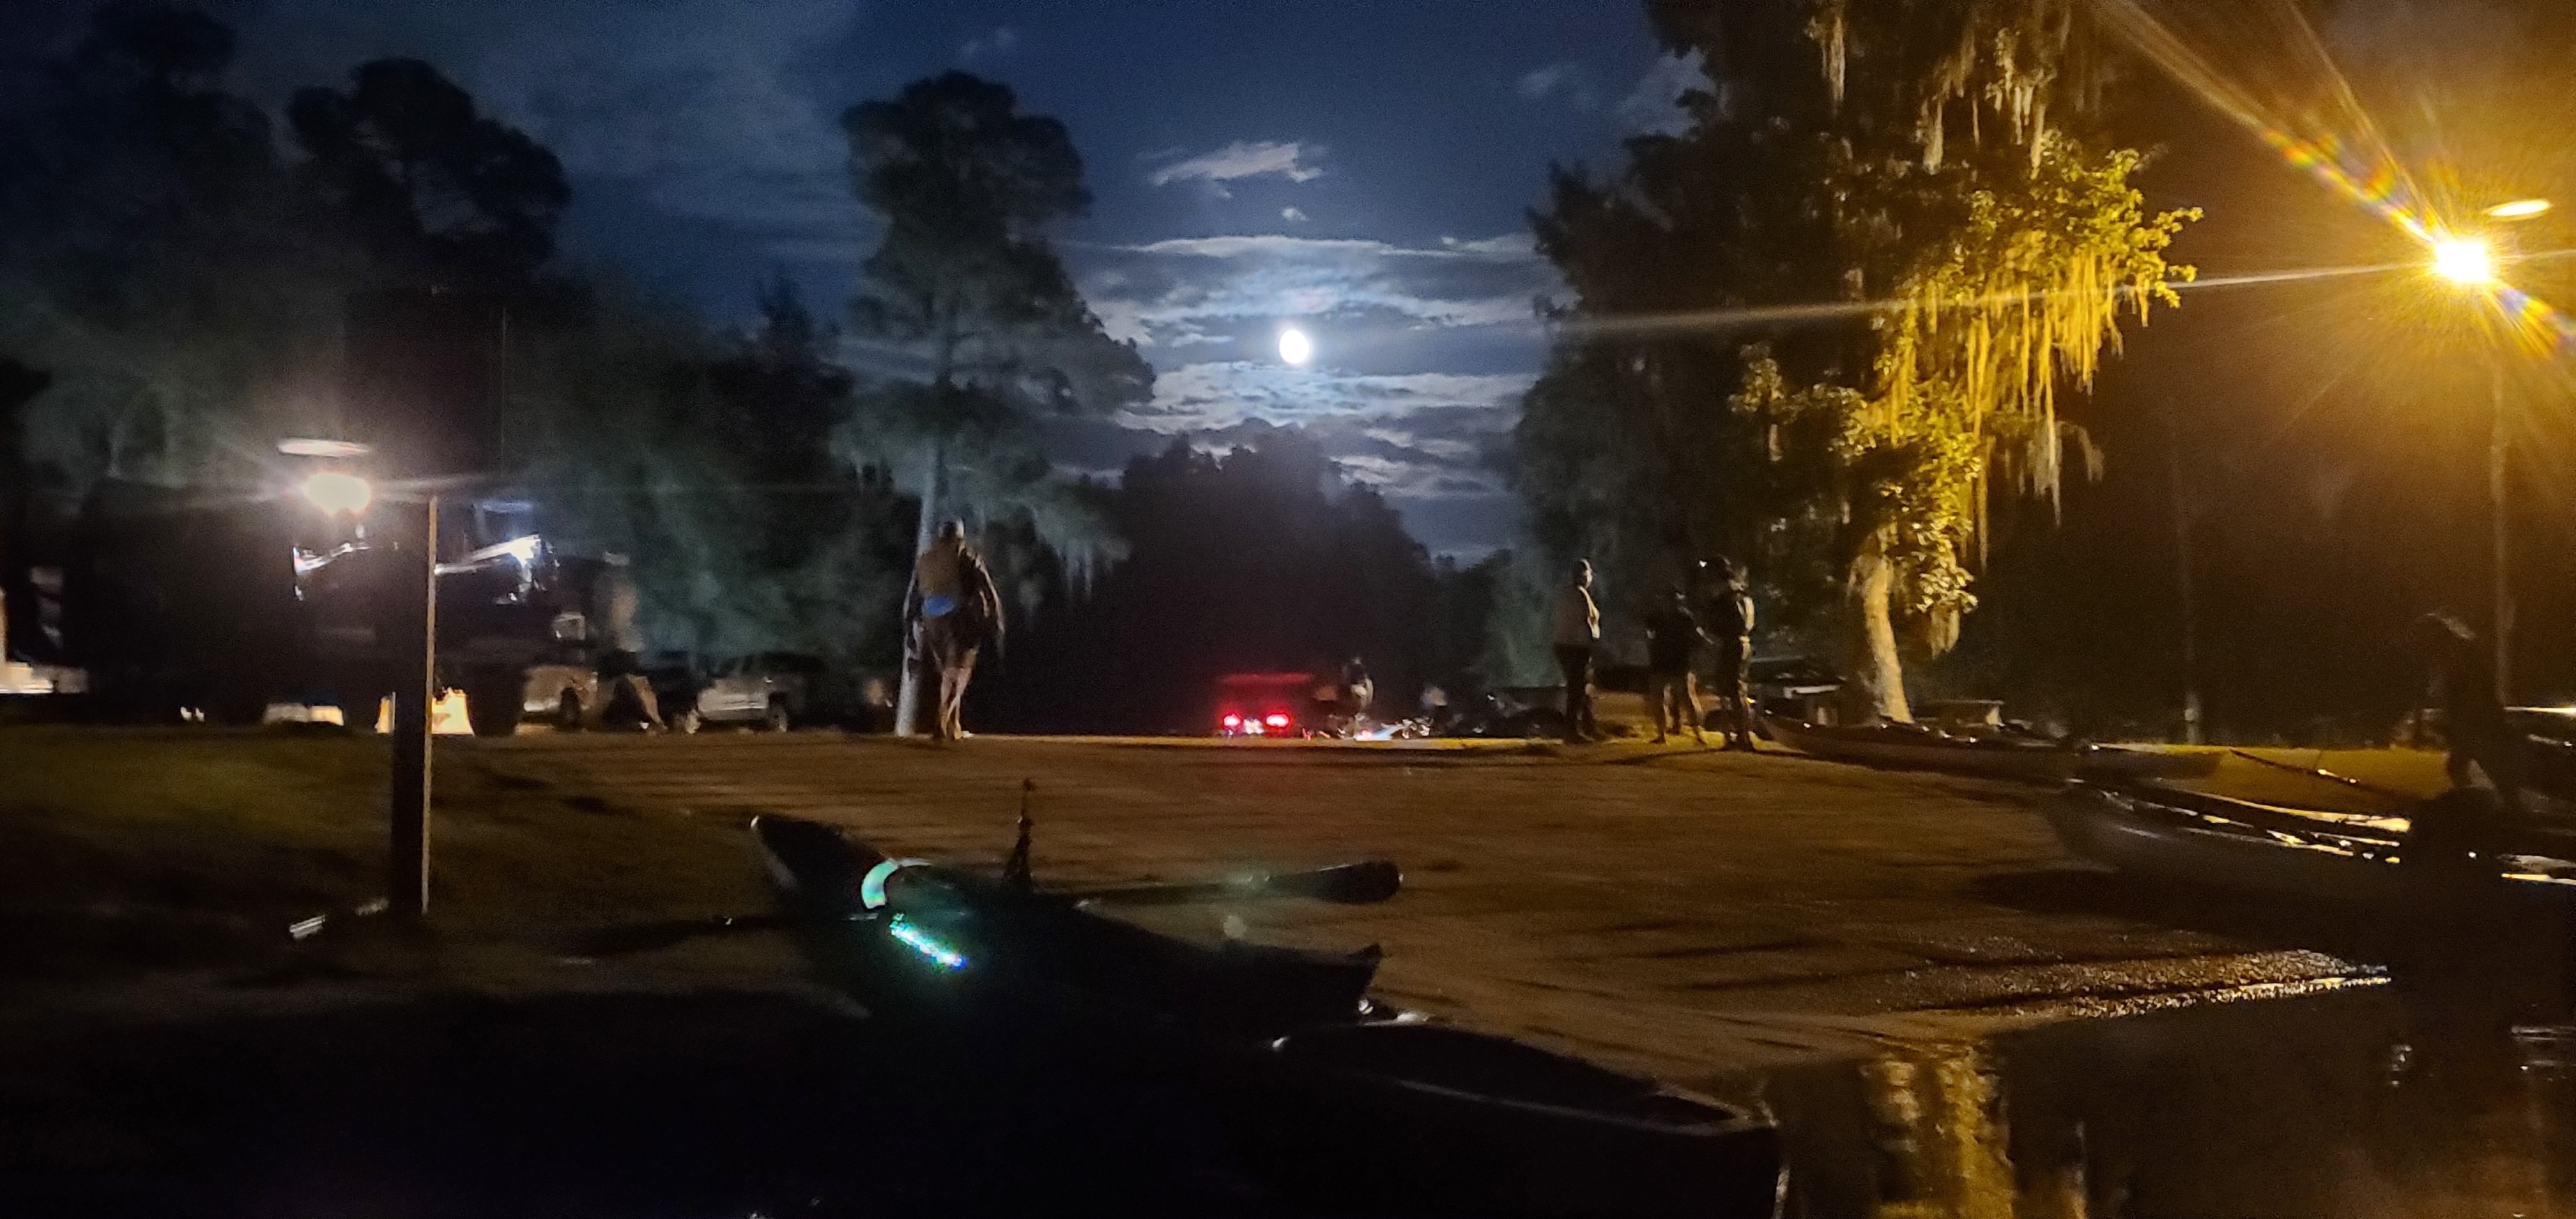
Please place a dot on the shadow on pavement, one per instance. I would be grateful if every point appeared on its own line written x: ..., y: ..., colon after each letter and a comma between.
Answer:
x: 632, y: 1105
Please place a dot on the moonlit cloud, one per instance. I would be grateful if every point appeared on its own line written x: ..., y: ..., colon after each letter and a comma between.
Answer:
x: 1244, y: 159
x: 1185, y: 290
x: 1221, y: 394
x: 998, y: 42
x: 732, y: 129
x: 1654, y: 106
x: 1565, y: 80
x: 1422, y: 354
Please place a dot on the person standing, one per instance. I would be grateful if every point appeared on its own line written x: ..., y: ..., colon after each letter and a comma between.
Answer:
x: 2473, y: 716
x: 954, y: 610
x: 620, y: 665
x: 1578, y: 632
x: 1673, y: 639
x: 1358, y: 694
x: 1729, y: 621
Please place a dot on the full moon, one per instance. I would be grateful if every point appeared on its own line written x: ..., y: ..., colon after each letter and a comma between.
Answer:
x: 1295, y: 347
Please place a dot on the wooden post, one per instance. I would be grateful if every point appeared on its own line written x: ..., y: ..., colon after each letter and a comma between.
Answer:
x: 918, y: 691
x: 2499, y: 451
x: 415, y: 703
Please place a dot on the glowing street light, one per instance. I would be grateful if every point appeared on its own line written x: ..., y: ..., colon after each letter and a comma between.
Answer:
x: 2464, y: 260
x: 337, y: 491
x: 1295, y: 347
x: 2470, y: 263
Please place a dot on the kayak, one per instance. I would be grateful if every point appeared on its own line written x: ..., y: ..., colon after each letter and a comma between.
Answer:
x: 1340, y: 1099
x: 909, y: 939
x: 1421, y: 1118
x: 1997, y: 755
x: 2349, y: 858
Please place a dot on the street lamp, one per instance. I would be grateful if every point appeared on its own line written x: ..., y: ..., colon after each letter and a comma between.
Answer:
x: 2469, y: 261
x: 2464, y: 260
x: 337, y: 491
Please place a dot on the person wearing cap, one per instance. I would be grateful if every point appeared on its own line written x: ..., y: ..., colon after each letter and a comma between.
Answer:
x: 1578, y: 632
x: 1728, y: 618
x: 954, y: 610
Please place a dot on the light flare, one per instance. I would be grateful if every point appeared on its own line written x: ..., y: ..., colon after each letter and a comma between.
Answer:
x: 2365, y: 170
x: 2464, y: 260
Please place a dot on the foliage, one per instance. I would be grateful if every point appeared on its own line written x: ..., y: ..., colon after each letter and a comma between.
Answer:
x: 702, y: 457
x: 439, y: 195
x: 1917, y: 154
x: 1258, y: 559
x: 964, y: 307
x: 156, y: 259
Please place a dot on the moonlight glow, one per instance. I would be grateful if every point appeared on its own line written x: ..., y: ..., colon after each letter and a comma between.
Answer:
x: 1295, y: 347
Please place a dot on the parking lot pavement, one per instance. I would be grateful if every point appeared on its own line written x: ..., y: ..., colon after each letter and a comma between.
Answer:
x: 1686, y: 913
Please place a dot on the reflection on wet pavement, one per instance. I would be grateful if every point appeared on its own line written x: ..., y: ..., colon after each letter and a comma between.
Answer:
x: 2394, y: 1101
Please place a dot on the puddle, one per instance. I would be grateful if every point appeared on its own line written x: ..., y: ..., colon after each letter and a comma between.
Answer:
x: 2390, y: 1101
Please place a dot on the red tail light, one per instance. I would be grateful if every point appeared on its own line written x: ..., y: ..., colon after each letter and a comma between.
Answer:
x: 1275, y: 720
x: 1232, y: 720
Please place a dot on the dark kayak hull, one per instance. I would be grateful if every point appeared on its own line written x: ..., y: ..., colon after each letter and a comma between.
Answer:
x: 1426, y: 1119
x: 1336, y: 1100
x: 2259, y: 849
x: 1910, y: 747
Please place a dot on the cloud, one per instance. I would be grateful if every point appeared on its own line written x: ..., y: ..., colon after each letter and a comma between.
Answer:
x: 732, y: 129
x: 1566, y: 80
x: 1244, y: 159
x: 1423, y: 354
x: 1654, y: 105
x: 1221, y: 394
x: 999, y: 42
x: 1292, y: 215
x: 1193, y: 290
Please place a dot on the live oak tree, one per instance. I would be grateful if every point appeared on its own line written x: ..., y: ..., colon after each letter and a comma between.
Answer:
x: 1913, y: 164
x: 967, y: 311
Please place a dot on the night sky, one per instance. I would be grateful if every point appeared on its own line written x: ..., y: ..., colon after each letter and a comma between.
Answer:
x: 1361, y: 169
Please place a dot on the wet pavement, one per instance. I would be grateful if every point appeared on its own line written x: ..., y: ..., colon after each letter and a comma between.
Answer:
x: 1945, y: 1015
x: 2388, y: 1100
x: 1682, y: 914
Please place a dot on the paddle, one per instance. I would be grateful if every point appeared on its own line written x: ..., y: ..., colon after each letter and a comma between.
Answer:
x: 2319, y: 772
x: 650, y: 937
x: 1350, y: 884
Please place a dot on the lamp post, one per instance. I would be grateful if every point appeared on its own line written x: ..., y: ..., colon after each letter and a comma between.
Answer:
x: 2469, y: 261
x: 335, y: 491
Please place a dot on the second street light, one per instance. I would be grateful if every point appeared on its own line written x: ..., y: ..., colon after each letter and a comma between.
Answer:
x: 2469, y: 261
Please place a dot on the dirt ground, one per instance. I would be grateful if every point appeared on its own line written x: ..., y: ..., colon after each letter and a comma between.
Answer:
x: 1677, y: 911
x: 1683, y: 912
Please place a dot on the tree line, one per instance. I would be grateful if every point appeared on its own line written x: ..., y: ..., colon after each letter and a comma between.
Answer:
x: 1854, y: 324
x: 183, y: 267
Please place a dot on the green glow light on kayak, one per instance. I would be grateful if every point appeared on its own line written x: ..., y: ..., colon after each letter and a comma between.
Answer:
x: 925, y: 943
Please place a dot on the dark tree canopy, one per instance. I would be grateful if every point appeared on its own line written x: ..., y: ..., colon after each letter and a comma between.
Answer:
x: 439, y: 194
x: 1258, y: 559
x: 1933, y: 246
x: 964, y: 290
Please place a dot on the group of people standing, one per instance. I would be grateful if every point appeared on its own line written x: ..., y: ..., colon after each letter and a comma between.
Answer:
x: 1715, y: 617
